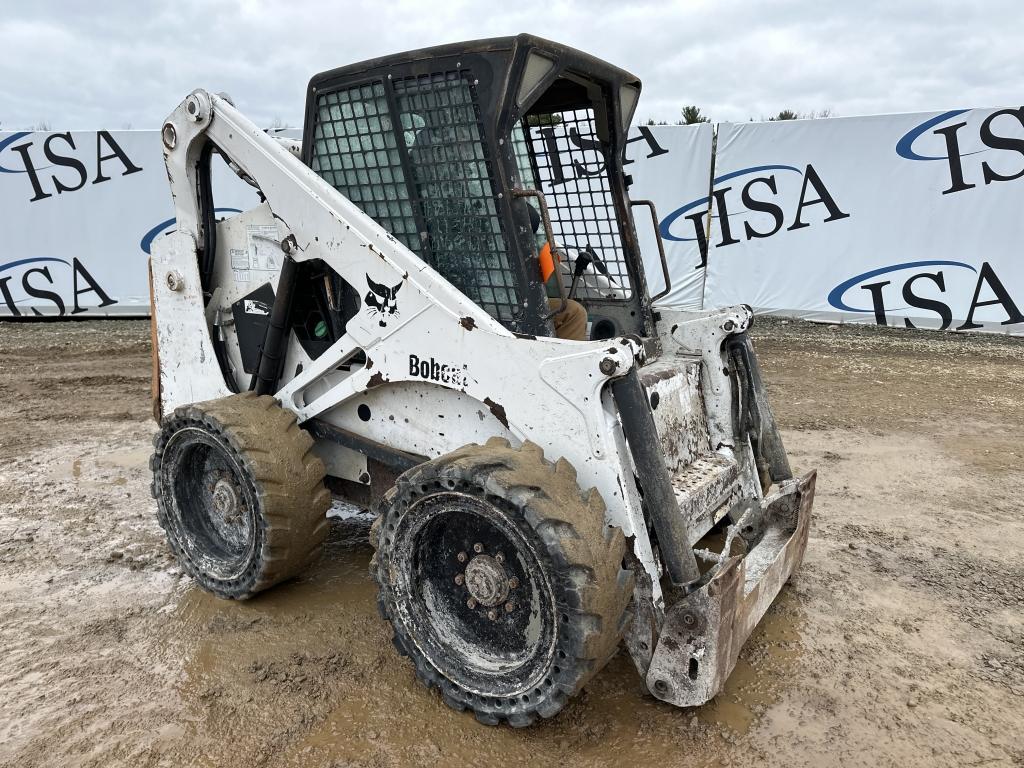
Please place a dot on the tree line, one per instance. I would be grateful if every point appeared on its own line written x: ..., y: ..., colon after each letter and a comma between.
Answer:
x: 692, y: 114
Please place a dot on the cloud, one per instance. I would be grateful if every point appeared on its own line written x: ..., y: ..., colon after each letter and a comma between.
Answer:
x: 83, y: 66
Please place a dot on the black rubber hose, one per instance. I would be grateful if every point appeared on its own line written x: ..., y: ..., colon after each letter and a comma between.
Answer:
x: 209, y: 215
x: 275, y: 343
x: 757, y: 420
x: 208, y: 254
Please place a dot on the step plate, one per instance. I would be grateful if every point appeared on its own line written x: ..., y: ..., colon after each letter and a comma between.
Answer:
x: 702, y: 491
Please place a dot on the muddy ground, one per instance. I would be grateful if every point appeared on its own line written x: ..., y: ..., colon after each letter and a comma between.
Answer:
x: 898, y: 643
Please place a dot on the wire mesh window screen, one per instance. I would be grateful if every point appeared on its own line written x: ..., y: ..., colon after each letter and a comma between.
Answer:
x: 572, y: 171
x: 446, y: 184
x: 355, y: 150
x: 452, y: 180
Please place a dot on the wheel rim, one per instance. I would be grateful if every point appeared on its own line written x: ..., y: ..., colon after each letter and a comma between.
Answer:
x: 214, y: 505
x: 476, y: 595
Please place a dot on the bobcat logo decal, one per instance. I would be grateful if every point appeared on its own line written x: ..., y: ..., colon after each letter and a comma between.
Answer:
x: 381, y: 300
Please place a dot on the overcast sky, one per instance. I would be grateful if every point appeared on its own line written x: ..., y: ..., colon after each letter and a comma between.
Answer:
x: 122, y: 63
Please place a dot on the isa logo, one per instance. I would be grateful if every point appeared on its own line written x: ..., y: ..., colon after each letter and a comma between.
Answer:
x: 53, y: 164
x: 37, y: 283
x: 755, y: 203
x: 929, y: 286
x: 954, y: 142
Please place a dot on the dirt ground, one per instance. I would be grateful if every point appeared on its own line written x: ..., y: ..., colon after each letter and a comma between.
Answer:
x: 899, y: 643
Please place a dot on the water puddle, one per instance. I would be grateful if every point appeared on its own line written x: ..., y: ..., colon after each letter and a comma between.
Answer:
x: 94, y: 470
x: 771, y: 653
x: 228, y: 630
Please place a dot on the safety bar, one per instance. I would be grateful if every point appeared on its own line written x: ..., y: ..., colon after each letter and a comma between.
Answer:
x: 661, y: 246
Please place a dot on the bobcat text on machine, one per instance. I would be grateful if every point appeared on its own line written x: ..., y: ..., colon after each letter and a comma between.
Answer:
x: 427, y: 318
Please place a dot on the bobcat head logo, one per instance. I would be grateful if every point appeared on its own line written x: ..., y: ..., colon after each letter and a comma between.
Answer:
x: 381, y: 300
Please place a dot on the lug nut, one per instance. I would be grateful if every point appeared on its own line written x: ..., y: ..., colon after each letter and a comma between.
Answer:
x: 478, y: 547
x: 460, y: 579
x: 461, y: 557
x: 499, y: 557
x: 510, y: 606
x: 513, y: 583
x: 492, y: 614
x: 471, y: 603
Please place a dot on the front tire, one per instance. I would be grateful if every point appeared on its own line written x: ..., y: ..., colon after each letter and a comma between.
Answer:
x: 501, y: 580
x: 240, y: 493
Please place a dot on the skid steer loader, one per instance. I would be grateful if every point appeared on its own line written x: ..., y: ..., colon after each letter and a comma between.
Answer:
x: 378, y: 330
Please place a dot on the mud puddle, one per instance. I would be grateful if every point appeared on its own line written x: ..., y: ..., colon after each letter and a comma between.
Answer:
x: 102, y: 469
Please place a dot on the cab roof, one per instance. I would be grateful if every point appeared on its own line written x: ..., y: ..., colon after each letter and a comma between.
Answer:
x: 514, y: 47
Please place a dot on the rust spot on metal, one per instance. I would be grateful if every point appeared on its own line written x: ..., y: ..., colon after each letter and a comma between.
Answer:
x: 468, y: 323
x: 376, y: 380
x: 369, y: 363
x: 498, y: 410
x: 650, y: 378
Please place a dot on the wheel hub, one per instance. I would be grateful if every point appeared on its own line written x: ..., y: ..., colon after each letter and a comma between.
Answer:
x: 225, y: 500
x: 486, y: 580
x: 226, y: 509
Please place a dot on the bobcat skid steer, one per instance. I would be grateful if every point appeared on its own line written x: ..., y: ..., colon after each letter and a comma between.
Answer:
x: 379, y: 330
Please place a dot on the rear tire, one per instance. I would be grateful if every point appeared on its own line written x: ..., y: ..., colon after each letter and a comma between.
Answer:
x: 501, y: 580
x: 239, y: 493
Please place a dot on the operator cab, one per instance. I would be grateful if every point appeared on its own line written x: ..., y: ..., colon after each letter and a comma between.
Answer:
x: 449, y: 148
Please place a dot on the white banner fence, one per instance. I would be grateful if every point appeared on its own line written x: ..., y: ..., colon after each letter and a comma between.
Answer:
x: 912, y: 219
x: 905, y: 220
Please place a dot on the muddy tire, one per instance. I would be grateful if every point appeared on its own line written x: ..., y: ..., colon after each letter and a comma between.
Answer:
x: 240, y: 493
x: 501, y: 580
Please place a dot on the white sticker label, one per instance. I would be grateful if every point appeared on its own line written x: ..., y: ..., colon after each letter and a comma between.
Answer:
x: 262, y: 260
x: 253, y: 307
